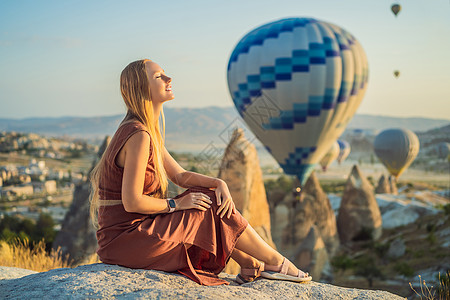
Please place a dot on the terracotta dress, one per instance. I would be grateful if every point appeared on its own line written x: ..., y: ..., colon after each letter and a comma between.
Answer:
x: 191, y: 242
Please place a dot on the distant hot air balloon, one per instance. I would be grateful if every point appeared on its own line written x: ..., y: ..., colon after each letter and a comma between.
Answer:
x: 397, y: 149
x: 297, y: 83
x: 396, y: 8
x: 344, y: 150
x: 396, y: 73
x: 330, y: 156
x: 443, y: 150
x: 358, y: 134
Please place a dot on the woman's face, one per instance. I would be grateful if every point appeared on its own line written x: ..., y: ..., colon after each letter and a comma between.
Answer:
x: 160, y: 84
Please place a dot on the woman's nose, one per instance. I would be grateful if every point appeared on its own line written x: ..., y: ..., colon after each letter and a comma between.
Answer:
x: 167, y: 79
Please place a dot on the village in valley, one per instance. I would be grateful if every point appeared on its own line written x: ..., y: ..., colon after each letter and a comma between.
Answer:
x: 38, y: 174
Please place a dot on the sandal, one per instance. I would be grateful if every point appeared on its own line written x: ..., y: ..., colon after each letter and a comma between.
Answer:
x: 282, y: 273
x: 250, y: 274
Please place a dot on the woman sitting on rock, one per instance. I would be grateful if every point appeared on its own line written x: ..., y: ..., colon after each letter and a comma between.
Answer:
x: 194, y: 233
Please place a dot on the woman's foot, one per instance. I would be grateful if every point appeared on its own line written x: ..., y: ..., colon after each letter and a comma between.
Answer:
x: 249, y: 274
x: 285, y: 271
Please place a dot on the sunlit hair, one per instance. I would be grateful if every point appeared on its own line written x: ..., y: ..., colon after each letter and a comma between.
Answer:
x: 135, y: 90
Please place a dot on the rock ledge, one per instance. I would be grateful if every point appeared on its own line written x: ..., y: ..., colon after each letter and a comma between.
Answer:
x: 110, y: 281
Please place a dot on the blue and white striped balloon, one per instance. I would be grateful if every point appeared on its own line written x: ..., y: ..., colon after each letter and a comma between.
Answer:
x: 297, y: 83
x: 344, y: 150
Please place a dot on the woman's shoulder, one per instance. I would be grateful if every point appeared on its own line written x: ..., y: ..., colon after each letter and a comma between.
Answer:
x: 126, y: 130
x: 139, y: 140
x: 130, y: 133
x: 132, y: 125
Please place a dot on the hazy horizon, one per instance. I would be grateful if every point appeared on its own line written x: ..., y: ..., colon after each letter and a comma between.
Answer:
x: 205, y: 107
x: 64, y: 58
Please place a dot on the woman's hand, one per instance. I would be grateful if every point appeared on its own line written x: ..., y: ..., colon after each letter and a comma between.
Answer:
x: 224, y: 201
x: 197, y: 200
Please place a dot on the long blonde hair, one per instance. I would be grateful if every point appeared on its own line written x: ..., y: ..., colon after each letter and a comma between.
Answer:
x: 135, y: 90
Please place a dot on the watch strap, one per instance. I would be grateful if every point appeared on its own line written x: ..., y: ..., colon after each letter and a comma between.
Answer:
x: 171, y: 205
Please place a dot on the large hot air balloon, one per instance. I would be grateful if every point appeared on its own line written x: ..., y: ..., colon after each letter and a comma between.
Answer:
x: 396, y: 8
x: 330, y: 156
x: 297, y: 83
x: 443, y: 150
x: 397, y: 149
x: 344, y: 150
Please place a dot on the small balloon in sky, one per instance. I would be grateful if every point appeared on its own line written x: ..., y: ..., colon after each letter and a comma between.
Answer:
x: 297, y: 82
x: 396, y: 8
x: 396, y: 149
x: 396, y: 73
x: 330, y: 156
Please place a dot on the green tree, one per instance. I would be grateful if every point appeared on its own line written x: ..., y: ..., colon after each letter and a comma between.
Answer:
x: 45, y: 229
x: 342, y: 262
x: 365, y: 266
x: 193, y: 169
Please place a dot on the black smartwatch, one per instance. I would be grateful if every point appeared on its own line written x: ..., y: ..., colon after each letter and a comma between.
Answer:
x: 171, y: 205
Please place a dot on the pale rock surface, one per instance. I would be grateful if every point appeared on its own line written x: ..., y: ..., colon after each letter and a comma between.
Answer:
x: 400, y: 210
x: 397, y: 210
x: 396, y: 249
x: 12, y: 273
x: 77, y: 235
x: 359, y: 211
x: 383, y: 186
x: 387, y: 202
x: 241, y: 171
x: 101, y: 281
x: 429, y: 198
x: 400, y: 217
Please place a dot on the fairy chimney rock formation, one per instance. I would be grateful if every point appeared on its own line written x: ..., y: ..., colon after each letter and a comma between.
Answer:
x: 281, y: 217
x: 316, y: 203
x: 293, y: 217
x: 383, y: 186
x: 304, y: 227
x: 77, y: 235
x: 393, y: 185
x: 359, y: 216
x: 102, y: 148
x: 241, y: 171
x: 311, y: 254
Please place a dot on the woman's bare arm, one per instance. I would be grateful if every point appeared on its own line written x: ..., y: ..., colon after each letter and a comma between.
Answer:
x: 135, y: 158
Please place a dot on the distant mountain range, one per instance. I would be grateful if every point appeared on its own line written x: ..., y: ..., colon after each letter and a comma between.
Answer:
x: 190, y: 126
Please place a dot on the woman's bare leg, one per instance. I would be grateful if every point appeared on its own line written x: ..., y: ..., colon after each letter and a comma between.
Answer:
x: 251, y: 243
x: 244, y: 260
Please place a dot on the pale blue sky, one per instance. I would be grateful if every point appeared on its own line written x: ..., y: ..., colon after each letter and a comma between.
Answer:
x: 64, y: 58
